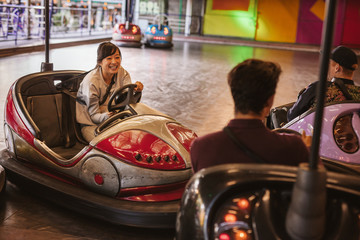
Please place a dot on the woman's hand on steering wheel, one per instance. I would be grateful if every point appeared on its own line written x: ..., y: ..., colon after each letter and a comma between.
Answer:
x: 139, y: 86
x: 126, y: 95
x: 112, y: 113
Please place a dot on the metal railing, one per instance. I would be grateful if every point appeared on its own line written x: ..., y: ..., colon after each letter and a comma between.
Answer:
x: 27, y: 22
x: 21, y: 22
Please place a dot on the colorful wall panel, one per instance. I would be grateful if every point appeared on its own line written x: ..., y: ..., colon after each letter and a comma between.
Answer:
x: 290, y: 21
x: 277, y: 20
x: 351, y: 31
x: 311, y: 18
x: 310, y: 23
x: 235, y: 18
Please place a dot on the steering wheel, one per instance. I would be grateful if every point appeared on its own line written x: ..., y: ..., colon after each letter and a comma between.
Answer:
x: 160, y: 20
x: 120, y: 98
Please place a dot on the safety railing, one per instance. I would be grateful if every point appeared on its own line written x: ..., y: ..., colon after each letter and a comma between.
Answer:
x: 27, y: 22
x: 21, y: 22
x: 12, y: 21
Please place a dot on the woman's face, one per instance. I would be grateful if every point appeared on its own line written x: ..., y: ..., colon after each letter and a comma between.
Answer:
x: 111, y: 64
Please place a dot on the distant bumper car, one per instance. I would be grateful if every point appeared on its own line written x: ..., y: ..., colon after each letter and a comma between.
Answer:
x: 132, y: 173
x: 158, y: 36
x: 127, y: 35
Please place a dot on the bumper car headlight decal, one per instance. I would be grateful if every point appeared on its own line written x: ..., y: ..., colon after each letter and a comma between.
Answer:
x: 153, y: 30
x: 134, y: 30
x: 142, y: 149
x: 344, y: 134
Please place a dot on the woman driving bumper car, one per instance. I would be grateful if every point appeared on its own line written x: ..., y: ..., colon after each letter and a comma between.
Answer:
x: 97, y: 87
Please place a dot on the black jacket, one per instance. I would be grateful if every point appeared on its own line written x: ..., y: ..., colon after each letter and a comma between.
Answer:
x: 307, y: 99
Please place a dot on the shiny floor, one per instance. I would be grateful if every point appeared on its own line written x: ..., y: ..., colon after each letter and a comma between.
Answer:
x: 187, y: 82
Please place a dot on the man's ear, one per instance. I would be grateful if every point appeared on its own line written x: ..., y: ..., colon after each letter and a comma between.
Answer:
x: 338, y: 68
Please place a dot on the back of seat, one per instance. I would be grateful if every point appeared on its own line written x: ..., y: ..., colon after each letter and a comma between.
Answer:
x: 49, y: 107
x: 47, y: 113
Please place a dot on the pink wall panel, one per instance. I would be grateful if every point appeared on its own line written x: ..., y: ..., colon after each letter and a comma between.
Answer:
x: 351, y: 33
x: 310, y: 26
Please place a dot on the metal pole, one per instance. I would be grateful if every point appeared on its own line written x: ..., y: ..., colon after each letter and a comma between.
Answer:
x: 89, y: 16
x: 47, y: 66
x: 127, y: 12
x: 136, y: 12
x: 161, y: 16
x: 306, y: 216
x: 47, y: 32
x: 327, y: 37
x: 28, y: 19
x: 128, y: 5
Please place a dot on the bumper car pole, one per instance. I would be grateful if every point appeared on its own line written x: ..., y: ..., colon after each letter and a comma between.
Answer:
x: 306, y: 215
x: 128, y: 14
x: 326, y: 45
x: 47, y: 66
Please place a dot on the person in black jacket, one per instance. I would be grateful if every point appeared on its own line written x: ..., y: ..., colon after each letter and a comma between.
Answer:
x: 343, y: 63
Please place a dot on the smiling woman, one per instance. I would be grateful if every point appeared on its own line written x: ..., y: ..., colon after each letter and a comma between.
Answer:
x: 98, y: 85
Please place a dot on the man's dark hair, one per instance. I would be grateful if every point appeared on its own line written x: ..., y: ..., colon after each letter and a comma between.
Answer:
x: 252, y: 83
x: 106, y: 49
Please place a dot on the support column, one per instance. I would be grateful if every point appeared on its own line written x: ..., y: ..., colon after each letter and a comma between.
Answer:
x: 136, y: 12
x: 123, y: 11
x: 188, y: 17
x: 89, y: 16
x: 28, y: 19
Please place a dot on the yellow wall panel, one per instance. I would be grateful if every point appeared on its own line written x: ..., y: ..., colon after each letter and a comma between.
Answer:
x: 224, y: 25
x: 233, y: 23
x: 277, y: 20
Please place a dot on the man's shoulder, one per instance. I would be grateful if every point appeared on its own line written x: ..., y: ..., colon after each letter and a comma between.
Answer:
x: 309, y: 90
x: 209, y: 140
x: 292, y: 147
x: 211, y: 137
x: 312, y: 85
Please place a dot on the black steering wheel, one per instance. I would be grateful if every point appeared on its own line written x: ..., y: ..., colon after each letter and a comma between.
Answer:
x: 120, y: 98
